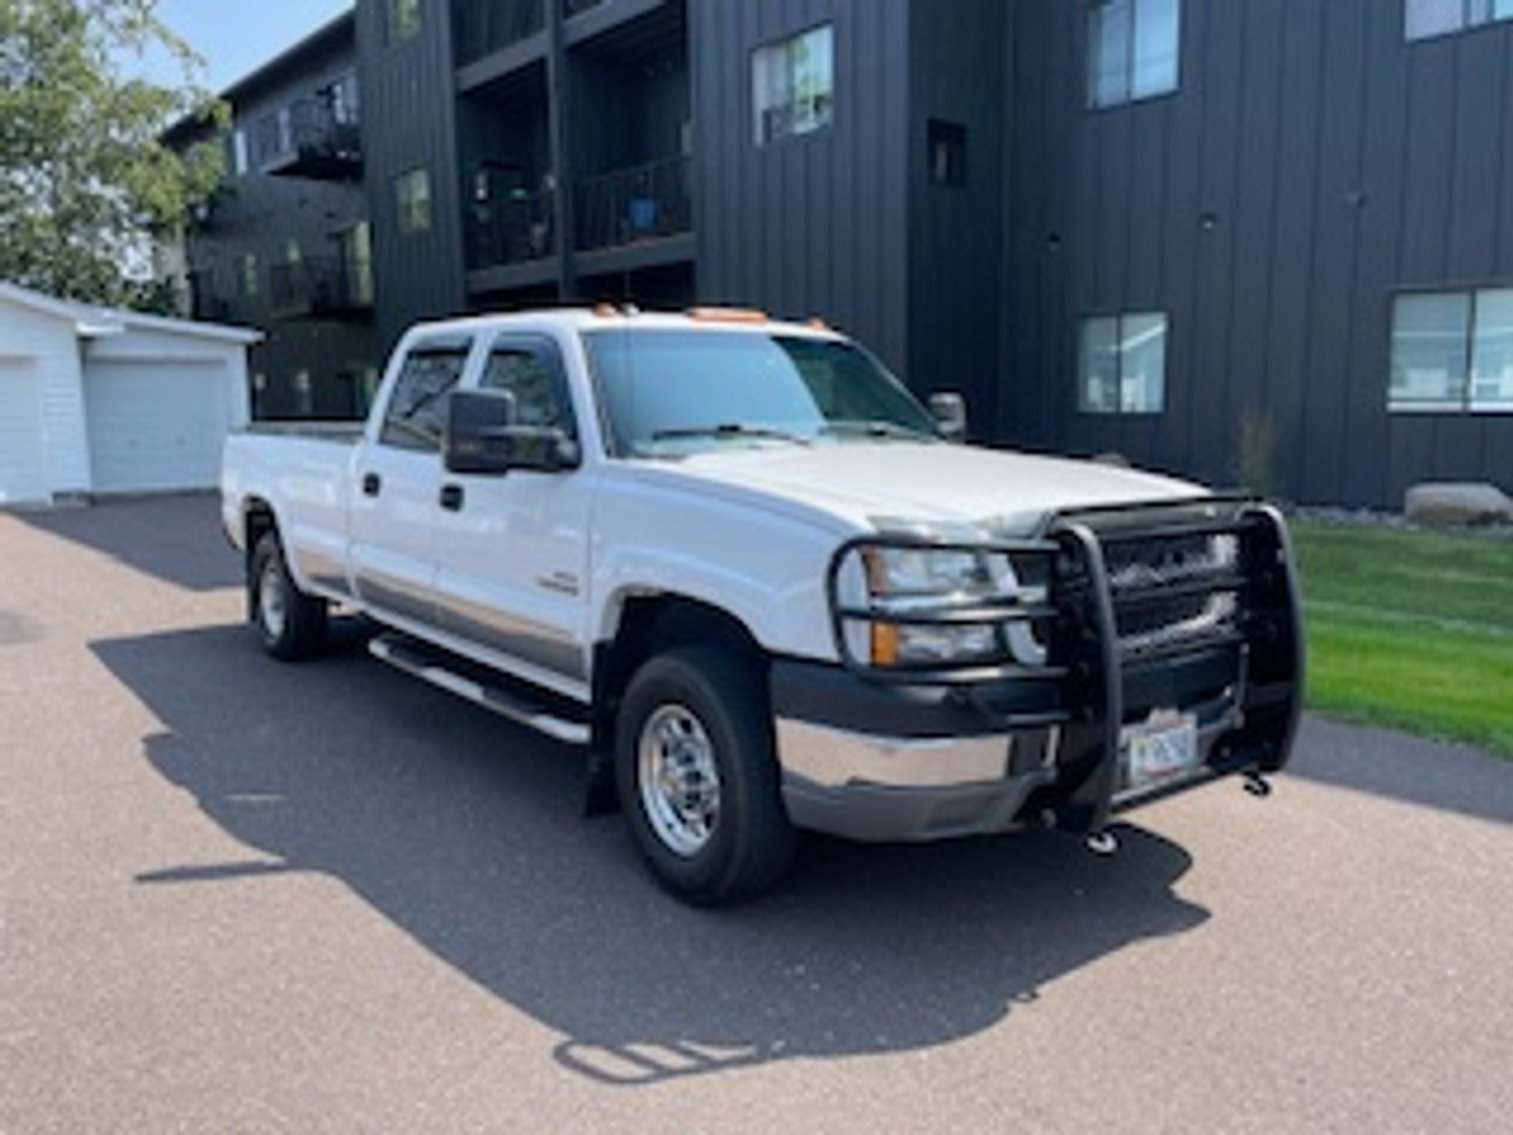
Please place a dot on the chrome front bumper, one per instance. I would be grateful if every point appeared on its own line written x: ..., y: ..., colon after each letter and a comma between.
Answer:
x: 878, y: 788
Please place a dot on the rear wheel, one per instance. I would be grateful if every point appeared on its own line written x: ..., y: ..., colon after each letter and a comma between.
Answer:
x: 291, y: 624
x: 698, y: 778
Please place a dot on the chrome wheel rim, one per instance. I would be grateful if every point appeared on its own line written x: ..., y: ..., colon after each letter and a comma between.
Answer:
x: 272, y: 601
x: 678, y: 780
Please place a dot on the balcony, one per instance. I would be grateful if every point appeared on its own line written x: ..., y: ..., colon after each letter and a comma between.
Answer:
x: 483, y: 27
x: 316, y: 136
x: 513, y: 229
x: 641, y: 204
x: 315, y: 289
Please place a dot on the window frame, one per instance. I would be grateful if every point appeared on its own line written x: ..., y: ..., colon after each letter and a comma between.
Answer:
x: 403, y: 20
x: 404, y: 437
x: 548, y: 355
x: 756, y: 66
x: 408, y: 211
x: 1467, y: 403
x: 1120, y: 410
x: 1474, y: 14
x: 1130, y: 65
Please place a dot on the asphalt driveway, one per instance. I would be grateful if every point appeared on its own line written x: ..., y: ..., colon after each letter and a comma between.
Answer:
x: 238, y: 895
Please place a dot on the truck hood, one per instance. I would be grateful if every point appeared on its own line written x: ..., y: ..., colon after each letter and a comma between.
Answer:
x: 898, y: 484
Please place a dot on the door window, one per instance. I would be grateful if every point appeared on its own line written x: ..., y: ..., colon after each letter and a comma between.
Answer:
x: 533, y: 378
x: 416, y: 414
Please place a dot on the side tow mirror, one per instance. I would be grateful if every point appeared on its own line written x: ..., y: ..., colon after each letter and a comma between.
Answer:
x: 949, y: 409
x: 482, y: 438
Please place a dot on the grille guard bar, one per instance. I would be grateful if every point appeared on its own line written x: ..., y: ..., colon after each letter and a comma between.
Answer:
x: 1089, y: 682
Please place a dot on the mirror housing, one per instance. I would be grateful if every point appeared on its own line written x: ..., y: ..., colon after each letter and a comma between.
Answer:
x: 482, y: 438
x: 949, y: 409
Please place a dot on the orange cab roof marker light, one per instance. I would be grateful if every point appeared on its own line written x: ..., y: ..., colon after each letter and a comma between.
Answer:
x: 727, y: 314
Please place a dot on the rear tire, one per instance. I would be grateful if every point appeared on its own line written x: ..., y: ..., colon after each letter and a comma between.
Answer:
x: 290, y: 624
x: 698, y: 778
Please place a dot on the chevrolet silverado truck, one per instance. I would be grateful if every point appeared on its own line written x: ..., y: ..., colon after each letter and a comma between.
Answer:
x: 766, y: 591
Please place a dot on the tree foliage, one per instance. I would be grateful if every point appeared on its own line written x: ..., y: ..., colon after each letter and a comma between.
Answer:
x: 85, y: 179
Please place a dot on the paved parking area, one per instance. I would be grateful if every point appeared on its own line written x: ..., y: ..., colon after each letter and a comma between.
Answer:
x: 243, y: 896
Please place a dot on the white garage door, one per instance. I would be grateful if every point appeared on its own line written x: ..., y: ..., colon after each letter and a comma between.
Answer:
x: 23, y: 470
x: 155, y: 425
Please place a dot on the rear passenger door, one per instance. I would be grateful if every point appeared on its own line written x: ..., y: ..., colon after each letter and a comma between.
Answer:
x: 392, y: 522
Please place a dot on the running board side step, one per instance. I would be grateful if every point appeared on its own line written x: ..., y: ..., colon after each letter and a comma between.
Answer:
x: 430, y: 666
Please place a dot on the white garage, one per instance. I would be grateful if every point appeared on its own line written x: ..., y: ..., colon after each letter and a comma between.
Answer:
x: 95, y: 401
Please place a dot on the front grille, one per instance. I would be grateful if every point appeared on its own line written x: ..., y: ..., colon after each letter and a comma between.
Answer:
x: 1175, y: 575
x: 1171, y: 591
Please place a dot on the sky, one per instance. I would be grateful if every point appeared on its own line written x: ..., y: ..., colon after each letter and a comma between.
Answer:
x: 234, y: 41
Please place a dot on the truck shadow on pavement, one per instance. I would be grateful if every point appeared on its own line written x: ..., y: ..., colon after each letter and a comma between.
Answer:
x: 465, y: 833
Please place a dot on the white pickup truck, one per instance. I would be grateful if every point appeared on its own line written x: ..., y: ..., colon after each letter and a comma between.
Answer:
x: 736, y: 562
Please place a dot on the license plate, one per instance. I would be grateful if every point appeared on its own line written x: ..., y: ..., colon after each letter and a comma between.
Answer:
x: 1163, y: 747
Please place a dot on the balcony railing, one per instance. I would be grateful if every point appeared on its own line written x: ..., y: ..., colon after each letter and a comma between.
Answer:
x: 627, y: 206
x: 326, y: 287
x: 512, y: 229
x: 482, y: 27
x: 311, y: 137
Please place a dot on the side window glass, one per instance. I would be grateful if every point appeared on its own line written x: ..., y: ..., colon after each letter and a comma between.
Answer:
x: 416, y: 414
x: 536, y: 384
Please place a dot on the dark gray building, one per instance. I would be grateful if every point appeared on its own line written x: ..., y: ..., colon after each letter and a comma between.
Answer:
x: 286, y: 244
x: 1268, y: 240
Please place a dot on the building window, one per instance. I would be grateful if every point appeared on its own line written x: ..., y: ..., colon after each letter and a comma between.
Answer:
x: 1133, y: 49
x: 249, y: 274
x: 412, y: 195
x: 404, y: 20
x: 238, y: 158
x: 1122, y: 364
x: 1452, y: 352
x: 355, y: 247
x: 946, y: 148
x: 793, y: 85
x: 1423, y: 19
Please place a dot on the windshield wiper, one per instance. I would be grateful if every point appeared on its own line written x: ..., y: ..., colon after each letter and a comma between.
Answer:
x: 729, y: 429
x: 876, y: 428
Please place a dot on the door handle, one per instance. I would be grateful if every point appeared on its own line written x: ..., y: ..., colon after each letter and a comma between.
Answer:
x: 371, y: 483
x: 451, y: 498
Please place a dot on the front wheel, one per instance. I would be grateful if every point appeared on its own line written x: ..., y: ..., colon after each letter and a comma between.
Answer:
x: 291, y: 624
x: 698, y: 778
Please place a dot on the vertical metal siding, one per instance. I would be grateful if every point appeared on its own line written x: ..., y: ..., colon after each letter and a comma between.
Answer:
x: 1311, y: 164
x: 814, y: 224
x: 409, y: 121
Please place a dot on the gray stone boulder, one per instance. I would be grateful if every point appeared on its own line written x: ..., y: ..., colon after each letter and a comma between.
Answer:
x: 1454, y: 504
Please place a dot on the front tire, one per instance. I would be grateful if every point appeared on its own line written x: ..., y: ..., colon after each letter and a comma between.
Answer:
x: 698, y: 778
x: 291, y: 624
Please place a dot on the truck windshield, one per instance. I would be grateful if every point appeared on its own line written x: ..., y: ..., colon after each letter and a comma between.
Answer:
x: 669, y: 392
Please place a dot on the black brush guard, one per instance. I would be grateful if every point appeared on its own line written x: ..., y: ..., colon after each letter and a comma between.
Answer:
x: 1189, y: 604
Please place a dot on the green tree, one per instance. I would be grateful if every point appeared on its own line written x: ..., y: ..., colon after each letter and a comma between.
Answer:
x: 86, y: 182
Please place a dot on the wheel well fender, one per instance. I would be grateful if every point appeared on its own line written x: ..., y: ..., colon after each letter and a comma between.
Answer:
x: 650, y: 625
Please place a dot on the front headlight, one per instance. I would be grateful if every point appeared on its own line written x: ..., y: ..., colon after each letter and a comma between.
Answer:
x: 909, y: 579
x: 905, y: 572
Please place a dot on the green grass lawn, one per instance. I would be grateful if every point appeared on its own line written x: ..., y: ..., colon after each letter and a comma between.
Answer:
x: 1411, y: 629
